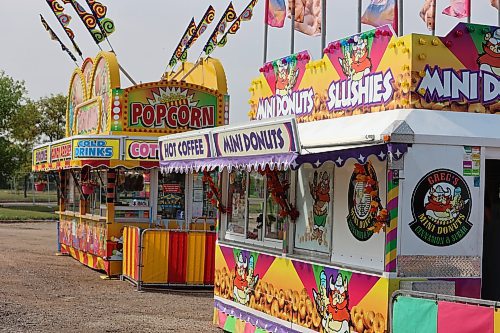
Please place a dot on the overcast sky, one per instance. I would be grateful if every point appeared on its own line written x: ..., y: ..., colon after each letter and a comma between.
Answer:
x: 147, y: 31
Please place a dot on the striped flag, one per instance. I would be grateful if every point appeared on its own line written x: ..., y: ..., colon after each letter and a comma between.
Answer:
x: 458, y: 8
x: 275, y: 13
x: 380, y: 12
x: 207, y: 18
x: 228, y: 17
x: 190, y: 30
x: 54, y: 37
x: 246, y: 15
x: 64, y: 20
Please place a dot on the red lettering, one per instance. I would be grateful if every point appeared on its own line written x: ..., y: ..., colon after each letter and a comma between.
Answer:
x: 195, y: 118
x: 208, y: 116
x: 136, y: 113
x: 148, y: 116
x: 161, y: 112
x: 183, y: 115
x: 172, y: 116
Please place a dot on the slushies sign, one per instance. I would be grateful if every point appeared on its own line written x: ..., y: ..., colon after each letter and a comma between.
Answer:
x: 262, y: 140
x: 370, y: 89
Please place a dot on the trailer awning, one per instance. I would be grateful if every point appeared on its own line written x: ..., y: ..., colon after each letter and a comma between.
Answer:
x: 340, y: 154
x: 258, y: 144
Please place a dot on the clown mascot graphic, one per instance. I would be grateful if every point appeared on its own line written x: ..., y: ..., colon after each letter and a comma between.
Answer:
x: 286, y: 77
x: 320, y: 192
x: 333, y: 305
x: 356, y: 62
x: 489, y: 61
x: 244, y: 281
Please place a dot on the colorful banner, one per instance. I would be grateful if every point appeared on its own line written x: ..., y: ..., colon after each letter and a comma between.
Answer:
x: 106, y: 25
x: 377, y: 71
x: 457, y: 8
x: 246, y: 15
x: 317, y: 297
x: 61, y: 151
x: 428, y: 14
x: 64, y: 20
x: 108, y: 149
x: 186, y: 148
x: 207, y: 18
x: 172, y: 107
x: 53, y: 36
x: 275, y: 13
x: 307, y: 16
x: 141, y: 150
x: 228, y: 17
x: 380, y: 12
x: 186, y: 37
x: 269, y: 139
x: 88, y: 20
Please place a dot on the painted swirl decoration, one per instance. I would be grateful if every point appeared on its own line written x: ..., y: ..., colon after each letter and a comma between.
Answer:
x: 107, y: 25
x: 235, y: 26
x: 56, y: 6
x: 98, y: 8
x: 230, y: 13
x: 97, y: 35
x: 89, y: 20
x: 70, y: 33
x: 64, y: 19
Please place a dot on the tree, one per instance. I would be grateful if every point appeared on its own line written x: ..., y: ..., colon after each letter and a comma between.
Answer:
x: 12, y: 94
x: 52, y: 112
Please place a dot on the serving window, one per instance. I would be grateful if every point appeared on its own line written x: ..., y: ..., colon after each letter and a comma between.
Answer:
x: 202, y: 206
x: 314, y: 200
x: 132, y: 195
x: 253, y: 215
x: 171, y: 196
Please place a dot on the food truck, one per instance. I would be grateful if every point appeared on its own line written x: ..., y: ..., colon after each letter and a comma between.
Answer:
x: 107, y: 164
x: 373, y: 169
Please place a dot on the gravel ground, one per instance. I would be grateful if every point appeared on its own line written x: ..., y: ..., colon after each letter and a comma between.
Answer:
x: 41, y: 292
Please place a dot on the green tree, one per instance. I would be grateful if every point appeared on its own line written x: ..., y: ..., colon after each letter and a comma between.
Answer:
x: 52, y: 113
x: 12, y: 94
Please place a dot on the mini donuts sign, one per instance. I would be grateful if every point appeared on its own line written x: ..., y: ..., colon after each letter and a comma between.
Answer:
x: 441, y: 206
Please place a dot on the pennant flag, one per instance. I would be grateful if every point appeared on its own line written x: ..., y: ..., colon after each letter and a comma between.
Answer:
x: 380, y: 12
x: 246, y: 15
x: 228, y: 16
x: 457, y: 8
x: 307, y: 16
x: 99, y: 11
x: 427, y: 13
x: 190, y: 30
x: 207, y: 18
x: 64, y: 20
x: 88, y: 20
x: 53, y: 36
x: 275, y: 13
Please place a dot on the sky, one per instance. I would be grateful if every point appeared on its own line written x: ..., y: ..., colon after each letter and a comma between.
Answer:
x: 148, y: 31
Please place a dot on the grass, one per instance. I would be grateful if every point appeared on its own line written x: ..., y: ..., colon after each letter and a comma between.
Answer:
x: 18, y: 196
x: 28, y: 213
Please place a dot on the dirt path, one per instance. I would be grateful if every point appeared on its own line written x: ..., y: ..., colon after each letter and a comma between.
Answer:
x: 40, y: 292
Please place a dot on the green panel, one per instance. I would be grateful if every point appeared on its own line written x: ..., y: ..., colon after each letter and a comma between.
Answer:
x: 414, y: 315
